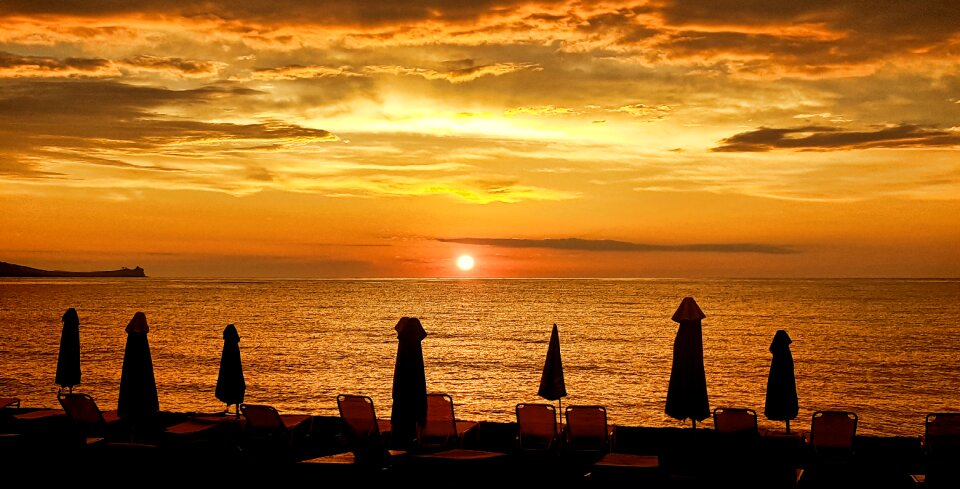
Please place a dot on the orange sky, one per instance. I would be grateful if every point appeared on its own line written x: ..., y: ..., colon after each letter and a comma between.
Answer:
x: 384, y: 139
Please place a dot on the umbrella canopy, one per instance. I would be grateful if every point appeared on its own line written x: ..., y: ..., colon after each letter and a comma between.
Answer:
x: 138, y: 388
x: 409, y: 382
x: 68, y: 361
x: 782, y: 403
x: 552, y: 386
x: 687, y: 394
x: 230, y: 384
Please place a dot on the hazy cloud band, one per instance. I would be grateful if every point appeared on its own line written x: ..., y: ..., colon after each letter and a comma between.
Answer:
x: 579, y: 244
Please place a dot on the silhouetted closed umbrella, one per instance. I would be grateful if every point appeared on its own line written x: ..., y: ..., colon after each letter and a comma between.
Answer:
x: 138, y: 387
x: 552, y: 386
x: 782, y: 403
x: 68, y: 360
x: 687, y: 394
x: 230, y: 384
x: 409, y: 382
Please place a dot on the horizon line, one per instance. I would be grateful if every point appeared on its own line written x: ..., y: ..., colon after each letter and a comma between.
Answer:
x: 201, y: 277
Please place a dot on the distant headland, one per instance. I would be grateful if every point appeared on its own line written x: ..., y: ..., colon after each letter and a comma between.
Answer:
x: 11, y: 270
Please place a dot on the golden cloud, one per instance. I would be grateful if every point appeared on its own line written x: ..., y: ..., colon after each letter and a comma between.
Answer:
x: 455, y: 76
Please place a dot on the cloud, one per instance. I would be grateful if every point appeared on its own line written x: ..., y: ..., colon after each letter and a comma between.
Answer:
x: 824, y: 138
x: 636, y: 111
x: 645, y: 111
x: 540, y: 110
x: 578, y: 244
x: 49, y: 128
x: 296, y: 72
x: 109, y: 135
x: 467, y: 189
x: 184, y: 67
x: 810, y: 40
x: 323, y: 12
x: 461, y: 75
x: 18, y: 66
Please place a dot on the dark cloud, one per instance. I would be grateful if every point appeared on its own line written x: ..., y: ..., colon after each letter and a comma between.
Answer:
x: 810, y: 38
x: 162, y: 63
x: 100, y: 161
x: 15, y: 65
x: 98, y: 111
x: 814, y: 38
x: 288, y: 12
x: 821, y: 138
x: 20, y: 66
x: 579, y: 244
x: 65, y: 120
x: 889, y: 18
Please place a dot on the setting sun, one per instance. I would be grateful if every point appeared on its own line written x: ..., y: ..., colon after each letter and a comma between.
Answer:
x: 465, y: 262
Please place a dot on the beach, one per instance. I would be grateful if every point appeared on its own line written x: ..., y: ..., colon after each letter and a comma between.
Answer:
x: 225, y: 453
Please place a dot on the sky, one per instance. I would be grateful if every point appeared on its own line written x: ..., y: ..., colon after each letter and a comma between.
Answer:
x: 703, y: 138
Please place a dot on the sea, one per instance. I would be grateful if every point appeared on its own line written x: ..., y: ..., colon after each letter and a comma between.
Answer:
x: 888, y: 350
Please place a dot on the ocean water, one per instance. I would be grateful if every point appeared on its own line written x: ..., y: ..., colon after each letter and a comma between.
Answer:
x: 887, y: 349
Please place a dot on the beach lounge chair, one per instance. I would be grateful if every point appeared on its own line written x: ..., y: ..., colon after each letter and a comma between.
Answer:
x: 442, y: 430
x: 366, y: 435
x: 589, y: 435
x: 264, y: 422
x: 735, y: 421
x: 831, y: 440
x: 737, y: 459
x: 941, y: 443
x: 587, y: 429
x: 538, y: 427
x: 832, y: 433
x: 90, y: 422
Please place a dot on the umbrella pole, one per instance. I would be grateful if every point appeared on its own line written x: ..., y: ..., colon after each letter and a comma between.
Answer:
x: 694, y: 423
x: 560, y: 415
x: 788, y: 426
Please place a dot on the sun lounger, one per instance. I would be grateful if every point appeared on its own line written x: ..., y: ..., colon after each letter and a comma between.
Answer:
x: 588, y: 434
x: 737, y: 458
x: 362, y: 430
x: 86, y: 416
x: 735, y: 421
x: 587, y: 429
x: 832, y: 442
x: 941, y: 443
x: 832, y: 433
x: 265, y: 422
x: 442, y: 430
x: 538, y: 427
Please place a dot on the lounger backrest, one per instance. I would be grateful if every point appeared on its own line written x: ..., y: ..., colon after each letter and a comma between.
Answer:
x: 735, y: 420
x: 361, y: 429
x: 538, y: 426
x: 261, y: 417
x: 587, y: 428
x: 81, y: 409
x: 441, y: 422
x: 358, y: 415
x: 833, y: 429
x: 942, y: 433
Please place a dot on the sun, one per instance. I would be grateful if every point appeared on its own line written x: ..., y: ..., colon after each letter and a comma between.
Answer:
x: 465, y: 262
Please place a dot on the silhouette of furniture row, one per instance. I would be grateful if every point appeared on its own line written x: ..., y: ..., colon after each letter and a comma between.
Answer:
x: 584, y: 438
